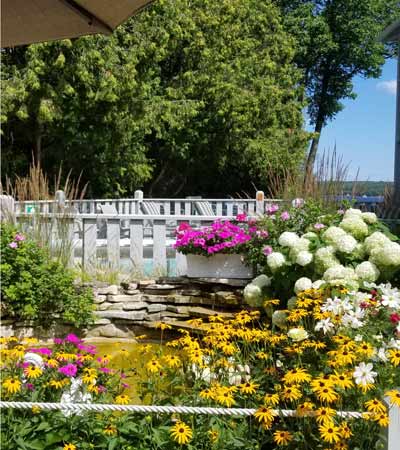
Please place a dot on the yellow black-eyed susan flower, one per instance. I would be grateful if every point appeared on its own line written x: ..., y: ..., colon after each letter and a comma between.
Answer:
x: 181, y: 433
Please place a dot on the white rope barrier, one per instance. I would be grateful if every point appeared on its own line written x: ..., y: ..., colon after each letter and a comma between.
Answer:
x: 98, y: 407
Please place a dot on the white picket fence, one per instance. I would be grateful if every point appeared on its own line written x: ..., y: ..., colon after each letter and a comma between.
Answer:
x: 156, y: 206
x: 124, y: 232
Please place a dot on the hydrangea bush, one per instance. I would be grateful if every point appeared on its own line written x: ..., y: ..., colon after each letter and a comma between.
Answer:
x: 349, y: 249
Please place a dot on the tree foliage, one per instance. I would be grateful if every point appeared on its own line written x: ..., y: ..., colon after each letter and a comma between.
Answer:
x: 189, y: 97
x: 337, y: 40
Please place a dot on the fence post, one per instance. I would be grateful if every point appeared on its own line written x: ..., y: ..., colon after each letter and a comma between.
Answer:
x: 159, y: 246
x: 60, y: 200
x: 7, y: 205
x: 260, y: 202
x: 393, y: 430
x: 139, y: 199
x: 113, y: 242
x: 89, y: 243
x: 136, y: 247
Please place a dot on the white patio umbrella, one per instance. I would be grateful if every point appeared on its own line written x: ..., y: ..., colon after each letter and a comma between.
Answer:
x: 29, y: 21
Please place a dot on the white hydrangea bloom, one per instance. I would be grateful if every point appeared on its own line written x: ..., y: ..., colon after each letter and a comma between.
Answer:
x: 288, y: 239
x: 325, y: 258
x: 377, y: 239
x: 386, y: 255
x: 369, y: 217
x: 252, y: 294
x: 341, y: 276
x: 351, y: 212
x: 317, y: 284
x: 332, y: 234
x: 345, y: 244
x: 304, y: 258
x: 359, y: 251
x: 297, y: 334
x: 355, y: 226
x: 300, y: 246
x: 302, y: 284
x: 367, y: 271
x: 334, y: 273
x: 275, y: 260
x: 279, y: 318
x: 262, y: 281
x: 291, y: 304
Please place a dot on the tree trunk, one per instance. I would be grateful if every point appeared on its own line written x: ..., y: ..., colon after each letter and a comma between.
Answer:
x: 314, y: 146
x: 38, y: 145
x: 319, y: 123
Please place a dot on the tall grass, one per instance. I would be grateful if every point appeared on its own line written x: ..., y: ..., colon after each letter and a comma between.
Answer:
x: 325, y: 185
x: 55, y: 230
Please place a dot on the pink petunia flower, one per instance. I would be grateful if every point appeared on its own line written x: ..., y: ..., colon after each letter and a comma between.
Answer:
x: 285, y: 216
x: 319, y: 226
x: 267, y: 250
x: 13, y: 245
x: 272, y: 209
x: 19, y: 237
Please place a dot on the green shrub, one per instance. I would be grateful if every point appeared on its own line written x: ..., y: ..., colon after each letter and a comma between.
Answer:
x: 35, y: 287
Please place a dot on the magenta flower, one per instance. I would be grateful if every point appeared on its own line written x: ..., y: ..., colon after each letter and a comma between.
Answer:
x: 104, y: 370
x: 319, y: 226
x: 285, y: 216
x: 272, y: 209
x: 43, y: 351
x: 30, y: 386
x: 19, y: 237
x: 242, y: 217
x: 69, y: 370
x: 73, y: 339
x: 13, y: 245
x: 58, y: 341
x: 87, y: 348
x: 267, y: 250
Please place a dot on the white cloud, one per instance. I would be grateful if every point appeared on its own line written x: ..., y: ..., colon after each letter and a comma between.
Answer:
x: 387, y: 86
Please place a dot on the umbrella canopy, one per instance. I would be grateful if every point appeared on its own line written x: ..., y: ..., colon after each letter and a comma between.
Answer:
x: 28, y: 21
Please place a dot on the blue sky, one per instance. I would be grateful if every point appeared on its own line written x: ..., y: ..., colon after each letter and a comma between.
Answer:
x: 364, y: 130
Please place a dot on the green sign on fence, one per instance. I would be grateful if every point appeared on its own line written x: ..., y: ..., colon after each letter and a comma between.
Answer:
x: 29, y: 209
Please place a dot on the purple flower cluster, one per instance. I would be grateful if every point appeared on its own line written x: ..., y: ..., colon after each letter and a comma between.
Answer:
x: 68, y: 370
x: 222, y: 236
x: 17, y: 238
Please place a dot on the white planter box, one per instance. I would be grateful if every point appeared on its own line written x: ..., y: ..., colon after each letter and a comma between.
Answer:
x: 217, y: 266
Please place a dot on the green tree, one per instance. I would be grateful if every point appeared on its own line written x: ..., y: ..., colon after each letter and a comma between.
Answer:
x: 337, y: 40
x: 67, y: 102
x: 188, y: 97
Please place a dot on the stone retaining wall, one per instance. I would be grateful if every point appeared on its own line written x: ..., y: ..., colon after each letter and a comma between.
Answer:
x: 134, y: 308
